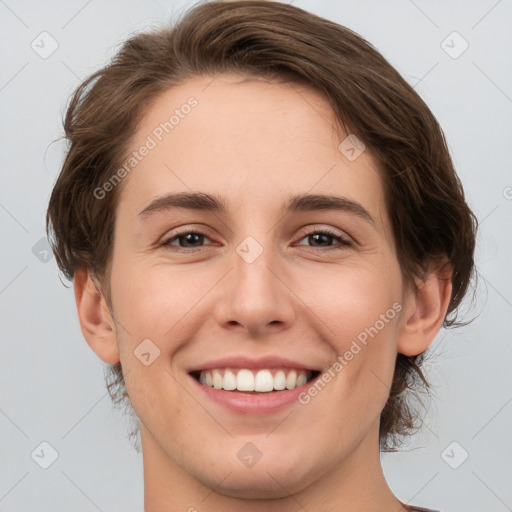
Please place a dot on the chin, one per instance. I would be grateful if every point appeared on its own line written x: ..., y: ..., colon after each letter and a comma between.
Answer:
x: 271, y: 477
x: 259, y: 485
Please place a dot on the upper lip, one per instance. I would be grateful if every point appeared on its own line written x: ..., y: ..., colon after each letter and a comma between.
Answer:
x: 252, y: 363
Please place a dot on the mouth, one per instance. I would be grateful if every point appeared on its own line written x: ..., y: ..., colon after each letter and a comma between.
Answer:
x: 252, y: 386
x: 252, y: 381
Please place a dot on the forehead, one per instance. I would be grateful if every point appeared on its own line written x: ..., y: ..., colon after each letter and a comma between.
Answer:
x: 248, y: 139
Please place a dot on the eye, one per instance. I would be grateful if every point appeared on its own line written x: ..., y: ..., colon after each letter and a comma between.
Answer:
x: 324, y: 236
x: 186, y: 240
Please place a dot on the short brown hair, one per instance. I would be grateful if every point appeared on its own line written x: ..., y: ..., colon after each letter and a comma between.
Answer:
x: 425, y: 200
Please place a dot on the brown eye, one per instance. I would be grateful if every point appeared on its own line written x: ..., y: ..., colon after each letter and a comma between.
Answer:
x: 186, y: 240
x: 322, y: 238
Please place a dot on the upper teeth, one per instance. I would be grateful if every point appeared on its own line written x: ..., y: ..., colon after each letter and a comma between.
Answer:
x: 247, y: 380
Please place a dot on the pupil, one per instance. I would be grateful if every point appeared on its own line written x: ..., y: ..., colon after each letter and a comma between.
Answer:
x: 320, y: 235
x: 190, y: 238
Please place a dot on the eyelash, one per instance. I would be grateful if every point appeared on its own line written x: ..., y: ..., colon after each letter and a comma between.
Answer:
x: 342, y: 240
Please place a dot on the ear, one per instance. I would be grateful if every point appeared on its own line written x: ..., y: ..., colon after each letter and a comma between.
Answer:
x: 424, y: 311
x: 95, y: 319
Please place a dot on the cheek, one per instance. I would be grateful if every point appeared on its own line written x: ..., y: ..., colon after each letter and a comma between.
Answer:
x: 152, y: 301
x: 353, y: 301
x: 148, y: 379
x: 362, y: 311
x: 147, y: 315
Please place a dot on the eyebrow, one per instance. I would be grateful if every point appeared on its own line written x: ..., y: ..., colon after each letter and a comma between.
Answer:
x: 216, y: 204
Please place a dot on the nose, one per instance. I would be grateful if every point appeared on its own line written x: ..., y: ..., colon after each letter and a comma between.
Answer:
x: 255, y: 296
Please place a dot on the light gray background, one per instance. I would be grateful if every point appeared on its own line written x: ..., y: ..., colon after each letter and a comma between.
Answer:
x: 51, y: 383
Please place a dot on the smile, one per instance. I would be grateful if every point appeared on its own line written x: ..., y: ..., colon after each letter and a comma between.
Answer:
x: 257, y: 381
x: 253, y: 386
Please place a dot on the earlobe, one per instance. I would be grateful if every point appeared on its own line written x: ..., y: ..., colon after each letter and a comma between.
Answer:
x: 96, y: 322
x: 425, y: 312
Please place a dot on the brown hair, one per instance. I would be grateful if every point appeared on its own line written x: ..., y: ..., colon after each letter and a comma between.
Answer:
x: 431, y: 221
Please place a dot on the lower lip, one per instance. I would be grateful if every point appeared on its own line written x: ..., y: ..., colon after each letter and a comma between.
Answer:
x: 266, y: 403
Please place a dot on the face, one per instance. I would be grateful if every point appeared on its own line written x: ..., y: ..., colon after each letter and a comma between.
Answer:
x: 258, y: 338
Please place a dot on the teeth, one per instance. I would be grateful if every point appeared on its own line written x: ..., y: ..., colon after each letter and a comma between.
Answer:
x: 279, y: 380
x: 217, y: 379
x: 261, y: 381
x: 291, y: 380
x: 229, y: 382
x: 301, y: 380
x: 245, y: 381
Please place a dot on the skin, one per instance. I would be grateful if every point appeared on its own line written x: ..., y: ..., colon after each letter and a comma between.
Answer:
x: 256, y: 143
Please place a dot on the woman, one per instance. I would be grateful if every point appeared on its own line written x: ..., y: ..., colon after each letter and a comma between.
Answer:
x: 265, y: 233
